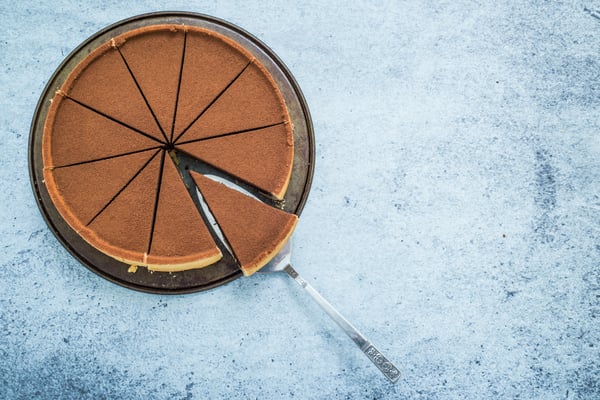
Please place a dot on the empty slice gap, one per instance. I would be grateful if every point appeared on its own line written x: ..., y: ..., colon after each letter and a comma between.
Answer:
x: 123, y: 188
x: 160, y: 176
x: 213, y: 101
x: 198, y: 165
x: 143, y: 95
x: 112, y: 119
x: 179, y: 84
x: 212, y: 222
x: 213, y: 225
x: 231, y: 185
x: 233, y: 133
x: 180, y: 238
x: 107, y: 157
x: 182, y: 164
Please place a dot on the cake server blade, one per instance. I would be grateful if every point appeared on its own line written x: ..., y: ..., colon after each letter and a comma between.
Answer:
x: 282, y: 263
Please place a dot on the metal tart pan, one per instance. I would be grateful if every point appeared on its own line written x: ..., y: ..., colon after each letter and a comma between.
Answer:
x: 226, y: 270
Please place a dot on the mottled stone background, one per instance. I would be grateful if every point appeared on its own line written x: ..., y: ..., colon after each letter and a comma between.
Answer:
x: 454, y: 216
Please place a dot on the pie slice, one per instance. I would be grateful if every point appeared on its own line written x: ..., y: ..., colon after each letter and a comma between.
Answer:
x: 254, y: 230
x: 211, y: 63
x: 154, y: 56
x: 122, y: 230
x: 261, y: 157
x: 180, y: 239
x: 102, y: 82
x: 252, y: 101
x: 82, y: 191
x: 73, y: 133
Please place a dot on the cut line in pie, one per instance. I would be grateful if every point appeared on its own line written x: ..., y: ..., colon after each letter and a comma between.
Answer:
x: 115, y: 128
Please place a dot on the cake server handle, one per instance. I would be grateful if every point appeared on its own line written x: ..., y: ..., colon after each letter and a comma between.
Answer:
x: 385, y: 366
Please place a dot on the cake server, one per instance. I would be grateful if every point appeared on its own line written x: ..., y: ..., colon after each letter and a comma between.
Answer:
x: 282, y: 262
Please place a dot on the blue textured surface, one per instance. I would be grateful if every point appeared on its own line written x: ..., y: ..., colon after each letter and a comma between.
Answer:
x: 454, y: 216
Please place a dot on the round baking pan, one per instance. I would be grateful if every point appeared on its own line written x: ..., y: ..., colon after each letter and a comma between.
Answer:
x: 226, y: 269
